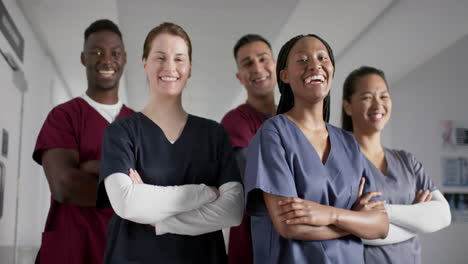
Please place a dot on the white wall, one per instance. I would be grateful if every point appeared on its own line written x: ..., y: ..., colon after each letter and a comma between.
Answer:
x: 33, y: 194
x: 59, y: 25
x: 434, y: 91
x: 10, y: 112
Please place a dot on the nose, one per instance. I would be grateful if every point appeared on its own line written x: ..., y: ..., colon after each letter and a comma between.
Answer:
x: 169, y: 65
x: 256, y: 66
x: 376, y: 102
x: 314, y: 64
x: 106, y: 57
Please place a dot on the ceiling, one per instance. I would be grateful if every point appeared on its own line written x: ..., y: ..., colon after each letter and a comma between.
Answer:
x: 397, y: 36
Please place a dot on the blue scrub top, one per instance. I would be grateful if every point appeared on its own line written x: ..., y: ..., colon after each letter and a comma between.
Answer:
x: 405, y: 176
x: 281, y: 161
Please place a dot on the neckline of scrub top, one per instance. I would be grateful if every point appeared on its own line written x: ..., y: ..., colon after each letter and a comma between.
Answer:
x: 189, y: 117
x: 375, y: 167
x: 332, y: 143
x: 99, y: 114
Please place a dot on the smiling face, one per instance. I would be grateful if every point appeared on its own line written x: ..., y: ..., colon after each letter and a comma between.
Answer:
x: 104, y: 58
x: 167, y: 66
x: 256, y: 68
x: 371, y: 106
x: 309, y: 70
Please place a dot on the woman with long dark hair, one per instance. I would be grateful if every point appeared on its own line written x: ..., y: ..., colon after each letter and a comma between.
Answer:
x: 303, y: 175
x: 413, y: 203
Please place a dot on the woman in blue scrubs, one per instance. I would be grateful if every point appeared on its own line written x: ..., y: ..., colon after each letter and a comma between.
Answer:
x: 303, y: 175
x: 414, y: 205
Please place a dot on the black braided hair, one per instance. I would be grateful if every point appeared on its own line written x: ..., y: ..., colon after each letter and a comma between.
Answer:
x: 287, y: 96
x: 349, y: 87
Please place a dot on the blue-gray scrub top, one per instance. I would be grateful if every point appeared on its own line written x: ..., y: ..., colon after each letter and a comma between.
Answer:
x: 281, y: 161
x: 405, y: 176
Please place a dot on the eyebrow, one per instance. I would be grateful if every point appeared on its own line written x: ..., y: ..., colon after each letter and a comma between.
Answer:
x: 369, y: 92
x: 305, y: 51
x: 164, y: 53
x: 112, y: 47
x: 250, y: 57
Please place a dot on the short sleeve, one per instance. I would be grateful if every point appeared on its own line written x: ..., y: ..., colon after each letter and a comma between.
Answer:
x: 117, y: 156
x: 239, y: 130
x: 423, y: 181
x: 228, y: 169
x: 57, y: 132
x: 267, y: 170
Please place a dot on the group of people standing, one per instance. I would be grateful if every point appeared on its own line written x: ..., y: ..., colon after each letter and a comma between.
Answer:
x: 159, y: 185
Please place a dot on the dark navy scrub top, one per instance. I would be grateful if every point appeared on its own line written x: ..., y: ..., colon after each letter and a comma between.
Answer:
x: 202, y: 154
x: 281, y: 161
x: 405, y: 176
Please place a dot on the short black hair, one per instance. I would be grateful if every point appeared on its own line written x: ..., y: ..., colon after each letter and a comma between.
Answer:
x: 249, y: 38
x: 102, y: 25
x: 349, y: 87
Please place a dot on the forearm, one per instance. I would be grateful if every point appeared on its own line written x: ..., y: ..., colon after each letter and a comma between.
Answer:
x: 68, y: 182
x: 225, y: 212
x: 312, y: 233
x: 422, y: 217
x: 75, y: 187
x: 148, y: 204
x: 308, y: 224
x: 371, y: 224
x: 396, y: 234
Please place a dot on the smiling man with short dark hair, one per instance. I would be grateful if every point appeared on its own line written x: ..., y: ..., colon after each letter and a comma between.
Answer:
x: 256, y: 72
x: 69, y: 149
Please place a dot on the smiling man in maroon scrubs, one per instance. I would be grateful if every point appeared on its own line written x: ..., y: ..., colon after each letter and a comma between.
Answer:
x: 69, y: 149
x: 256, y: 72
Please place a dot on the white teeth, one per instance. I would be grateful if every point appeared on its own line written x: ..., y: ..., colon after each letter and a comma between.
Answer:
x: 260, y: 79
x: 169, y: 79
x: 312, y: 78
x: 107, y: 73
x: 377, y: 116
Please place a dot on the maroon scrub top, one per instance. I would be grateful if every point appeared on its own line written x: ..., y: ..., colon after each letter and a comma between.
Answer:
x: 242, y: 124
x: 74, y: 234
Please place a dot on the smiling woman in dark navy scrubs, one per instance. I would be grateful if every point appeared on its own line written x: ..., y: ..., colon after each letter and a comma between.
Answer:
x: 189, y: 188
x: 303, y: 175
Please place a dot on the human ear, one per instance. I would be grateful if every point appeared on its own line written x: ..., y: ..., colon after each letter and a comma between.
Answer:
x: 284, y: 76
x: 347, y: 107
x: 82, y: 58
x: 239, y: 78
x: 144, y: 65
